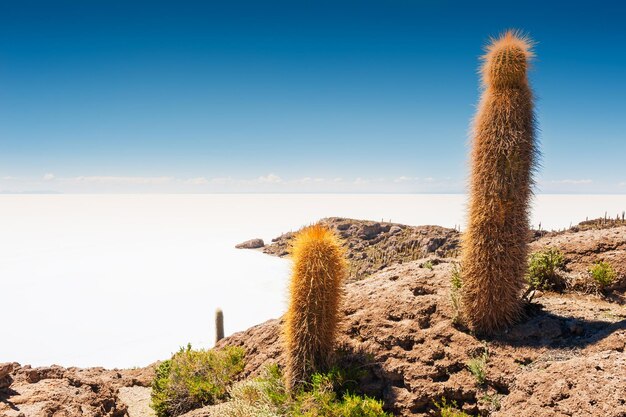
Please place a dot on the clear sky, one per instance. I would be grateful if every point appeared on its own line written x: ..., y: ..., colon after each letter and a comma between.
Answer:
x: 294, y: 95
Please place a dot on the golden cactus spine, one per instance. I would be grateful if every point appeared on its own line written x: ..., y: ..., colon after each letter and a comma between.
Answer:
x: 319, y: 268
x: 503, y: 159
x: 219, y: 325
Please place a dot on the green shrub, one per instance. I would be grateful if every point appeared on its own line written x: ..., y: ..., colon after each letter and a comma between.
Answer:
x: 603, y: 274
x: 325, y: 396
x: 253, y: 398
x: 455, y: 292
x: 543, y: 267
x: 492, y: 401
x: 456, y: 277
x: 194, y: 378
x: 449, y: 410
x: 354, y: 406
x: 478, y: 366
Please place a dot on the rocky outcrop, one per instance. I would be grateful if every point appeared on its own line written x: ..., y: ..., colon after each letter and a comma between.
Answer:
x: 581, y: 386
x: 581, y: 248
x: 251, y: 244
x: 398, y: 324
x: 372, y: 246
x: 70, y: 392
x: 136, y: 398
x: 5, y: 374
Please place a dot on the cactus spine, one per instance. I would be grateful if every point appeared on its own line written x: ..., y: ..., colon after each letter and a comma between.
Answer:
x: 319, y: 268
x: 503, y: 159
x: 219, y: 325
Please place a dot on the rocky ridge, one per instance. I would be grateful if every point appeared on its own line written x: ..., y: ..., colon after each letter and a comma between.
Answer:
x: 54, y: 391
x: 372, y: 246
x: 399, y: 323
x: 566, y: 359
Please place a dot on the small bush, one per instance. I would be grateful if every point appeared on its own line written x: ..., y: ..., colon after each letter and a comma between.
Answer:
x: 492, y: 401
x: 543, y: 269
x: 428, y: 265
x: 456, y: 277
x: 324, y: 397
x: 455, y: 292
x: 194, y: 378
x: 327, y: 398
x: 478, y: 367
x: 252, y: 398
x: 603, y: 274
x: 449, y: 410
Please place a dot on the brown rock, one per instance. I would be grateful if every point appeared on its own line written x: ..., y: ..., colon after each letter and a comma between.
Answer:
x: 372, y: 246
x: 581, y: 386
x: 251, y: 244
x: 581, y: 248
x: 398, y: 322
x: 5, y: 374
x: 68, y: 392
x: 137, y: 401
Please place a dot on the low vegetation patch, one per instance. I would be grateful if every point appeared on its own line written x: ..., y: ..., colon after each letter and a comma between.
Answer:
x: 328, y: 395
x: 478, y: 367
x: 194, y: 378
x: 492, y: 401
x: 449, y: 409
x: 543, y: 270
x: 603, y: 274
x: 455, y: 292
x: 601, y: 223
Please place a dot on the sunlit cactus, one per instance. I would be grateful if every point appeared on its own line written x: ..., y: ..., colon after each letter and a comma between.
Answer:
x: 219, y: 325
x: 503, y: 159
x: 319, y: 268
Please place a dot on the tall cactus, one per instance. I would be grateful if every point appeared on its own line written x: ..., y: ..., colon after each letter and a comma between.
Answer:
x: 503, y: 159
x: 319, y: 268
x: 219, y: 325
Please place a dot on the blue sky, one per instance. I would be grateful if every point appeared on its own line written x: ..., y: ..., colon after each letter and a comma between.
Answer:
x: 288, y: 96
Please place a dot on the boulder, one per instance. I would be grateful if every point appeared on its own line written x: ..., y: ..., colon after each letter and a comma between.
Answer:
x: 5, y: 374
x: 251, y: 244
x: 64, y: 392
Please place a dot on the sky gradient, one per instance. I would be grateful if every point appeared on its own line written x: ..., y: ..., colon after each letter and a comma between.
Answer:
x: 294, y: 96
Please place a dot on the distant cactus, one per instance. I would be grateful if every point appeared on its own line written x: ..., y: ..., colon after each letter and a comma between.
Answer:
x: 319, y: 268
x: 219, y: 325
x: 503, y: 159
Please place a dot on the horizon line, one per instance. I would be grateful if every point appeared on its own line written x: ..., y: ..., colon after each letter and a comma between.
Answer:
x: 2, y: 192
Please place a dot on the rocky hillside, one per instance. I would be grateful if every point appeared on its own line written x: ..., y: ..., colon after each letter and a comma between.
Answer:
x: 372, y: 246
x: 70, y: 392
x: 566, y: 359
x: 582, y: 246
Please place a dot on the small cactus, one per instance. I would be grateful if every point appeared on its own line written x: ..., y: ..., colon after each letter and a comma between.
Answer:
x: 503, y: 159
x: 219, y: 325
x: 319, y: 267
